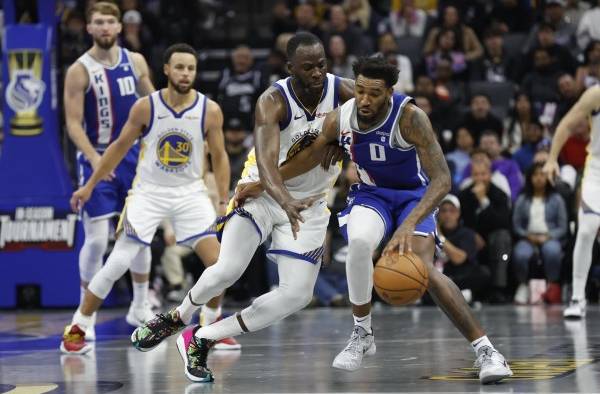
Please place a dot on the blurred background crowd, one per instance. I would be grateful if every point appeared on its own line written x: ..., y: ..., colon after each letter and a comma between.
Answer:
x: 495, y: 77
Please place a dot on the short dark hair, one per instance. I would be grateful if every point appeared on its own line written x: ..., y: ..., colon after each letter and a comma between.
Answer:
x: 178, y: 48
x: 302, y: 38
x: 376, y: 67
x: 489, y: 132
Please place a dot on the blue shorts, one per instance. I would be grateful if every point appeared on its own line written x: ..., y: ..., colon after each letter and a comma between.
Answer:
x: 108, y: 197
x: 393, y: 206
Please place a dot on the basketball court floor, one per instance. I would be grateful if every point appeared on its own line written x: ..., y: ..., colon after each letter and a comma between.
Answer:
x: 418, y: 350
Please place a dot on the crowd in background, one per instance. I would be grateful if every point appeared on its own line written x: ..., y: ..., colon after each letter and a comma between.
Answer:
x: 495, y: 78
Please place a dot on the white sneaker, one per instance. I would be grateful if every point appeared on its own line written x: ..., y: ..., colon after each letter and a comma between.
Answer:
x: 361, y: 344
x: 138, y: 316
x: 522, y: 294
x: 90, y: 334
x: 492, y: 365
x: 575, y: 310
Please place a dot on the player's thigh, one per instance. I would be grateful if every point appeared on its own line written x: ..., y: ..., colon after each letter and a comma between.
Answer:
x: 193, y: 217
x: 105, y: 200
x: 308, y: 245
x: 141, y: 216
x: 208, y: 249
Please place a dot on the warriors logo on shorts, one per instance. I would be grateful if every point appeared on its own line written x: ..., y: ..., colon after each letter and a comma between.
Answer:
x: 174, y: 151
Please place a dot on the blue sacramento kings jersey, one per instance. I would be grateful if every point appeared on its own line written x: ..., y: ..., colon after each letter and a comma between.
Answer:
x: 382, y: 157
x: 109, y: 96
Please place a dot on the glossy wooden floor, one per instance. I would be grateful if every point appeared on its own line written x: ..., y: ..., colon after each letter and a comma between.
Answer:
x: 418, y: 350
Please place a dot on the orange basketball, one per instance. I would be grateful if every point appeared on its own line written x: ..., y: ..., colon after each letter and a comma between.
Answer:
x: 400, y: 280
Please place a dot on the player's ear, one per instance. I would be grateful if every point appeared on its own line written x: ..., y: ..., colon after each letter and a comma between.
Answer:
x: 119, y: 27
x: 288, y: 66
x: 390, y: 91
x: 166, y: 69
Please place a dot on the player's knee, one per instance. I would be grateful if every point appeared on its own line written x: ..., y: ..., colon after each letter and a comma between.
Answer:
x: 296, y: 298
x: 220, y: 277
x: 359, y: 248
x: 95, y: 246
x: 142, y: 262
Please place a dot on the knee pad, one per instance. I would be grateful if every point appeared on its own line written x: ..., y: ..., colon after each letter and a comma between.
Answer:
x: 118, y: 263
x: 94, y: 247
x: 142, y: 262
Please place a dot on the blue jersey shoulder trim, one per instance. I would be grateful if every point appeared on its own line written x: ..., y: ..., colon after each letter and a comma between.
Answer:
x: 288, y: 119
x: 149, y: 127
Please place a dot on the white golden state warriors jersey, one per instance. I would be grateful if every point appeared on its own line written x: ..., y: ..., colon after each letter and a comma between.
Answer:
x: 173, y: 144
x: 299, y: 130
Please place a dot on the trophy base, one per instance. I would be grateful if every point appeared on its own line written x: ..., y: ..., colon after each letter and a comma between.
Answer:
x: 26, y: 127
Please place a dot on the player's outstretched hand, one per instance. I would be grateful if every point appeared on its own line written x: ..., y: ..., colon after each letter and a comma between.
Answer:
x: 551, y: 170
x: 246, y: 191
x: 80, y: 197
x: 293, y: 207
x: 401, y: 240
x: 333, y: 154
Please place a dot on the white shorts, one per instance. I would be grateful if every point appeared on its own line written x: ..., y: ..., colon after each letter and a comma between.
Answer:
x: 269, y: 218
x: 590, y: 186
x: 189, y: 209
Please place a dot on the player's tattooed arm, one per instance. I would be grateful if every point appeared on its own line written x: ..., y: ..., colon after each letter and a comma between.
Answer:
x: 416, y: 129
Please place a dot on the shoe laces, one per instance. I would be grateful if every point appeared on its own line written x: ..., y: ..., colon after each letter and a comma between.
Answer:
x: 485, y: 356
x: 353, y: 345
x: 197, y: 353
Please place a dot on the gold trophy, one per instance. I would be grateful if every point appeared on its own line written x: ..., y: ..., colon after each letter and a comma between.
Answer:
x: 25, y: 91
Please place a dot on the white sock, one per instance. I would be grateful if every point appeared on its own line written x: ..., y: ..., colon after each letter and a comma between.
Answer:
x: 364, y: 322
x: 481, y: 342
x: 140, y: 294
x: 186, y: 309
x: 225, y: 328
x: 209, y: 315
x: 82, y: 320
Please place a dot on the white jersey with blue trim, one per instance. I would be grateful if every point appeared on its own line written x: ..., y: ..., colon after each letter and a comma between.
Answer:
x: 593, y: 148
x: 173, y: 144
x: 299, y: 130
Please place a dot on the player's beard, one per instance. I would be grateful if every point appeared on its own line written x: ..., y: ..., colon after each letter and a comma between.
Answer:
x: 181, y: 89
x: 105, y: 43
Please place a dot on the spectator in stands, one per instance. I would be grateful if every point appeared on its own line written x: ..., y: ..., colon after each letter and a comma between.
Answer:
x: 485, y: 209
x: 490, y: 143
x: 446, y: 49
x: 568, y: 95
x: 574, y: 152
x: 540, y: 224
x: 340, y: 63
x: 588, y: 73
x: 560, y: 53
x: 480, y: 118
x: 460, y: 158
x: 511, y: 16
x: 134, y: 37
x: 443, y: 106
x: 361, y: 14
x: 409, y: 21
x: 495, y: 65
x: 554, y: 17
x: 357, y: 43
x: 459, y: 250
x: 589, y: 26
x: 73, y: 38
x: 533, y: 136
x: 498, y: 179
x: 466, y: 40
x: 275, y: 67
x: 522, y: 115
x: 425, y: 104
x: 240, y: 86
x: 574, y: 11
x: 388, y: 47
x: 281, y: 20
x: 238, y: 141
x: 541, y: 83
x: 306, y: 19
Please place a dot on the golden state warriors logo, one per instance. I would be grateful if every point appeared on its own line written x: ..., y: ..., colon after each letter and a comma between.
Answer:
x: 174, y: 151
x: 300, y: 142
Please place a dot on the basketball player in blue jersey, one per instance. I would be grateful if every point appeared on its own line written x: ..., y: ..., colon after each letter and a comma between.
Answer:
x: 289, y: 115
x: 100, y: 89
x: 173, y: 125
x: 403, y: 177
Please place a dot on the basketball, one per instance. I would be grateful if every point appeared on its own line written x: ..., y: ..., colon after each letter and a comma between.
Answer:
x: 400, y: 279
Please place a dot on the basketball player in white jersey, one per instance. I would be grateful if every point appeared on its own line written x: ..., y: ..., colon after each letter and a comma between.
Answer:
x: 588, y: 106
x: 172, y: 124
x: 289, y: 115
x: 100, y: 89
